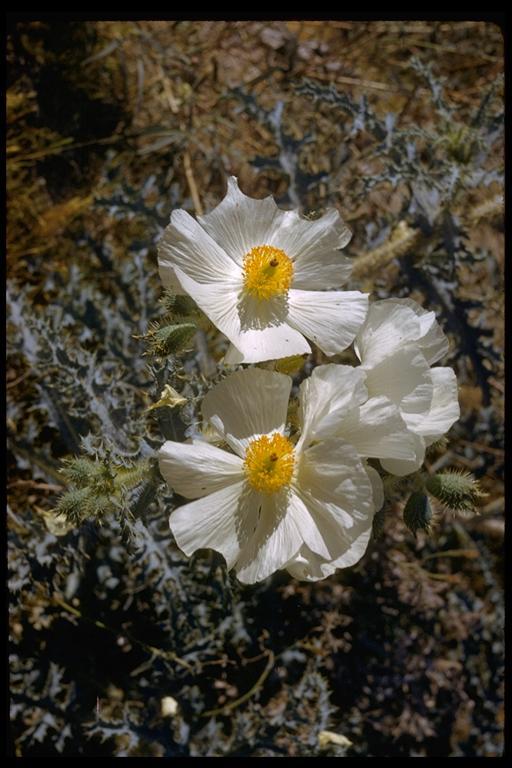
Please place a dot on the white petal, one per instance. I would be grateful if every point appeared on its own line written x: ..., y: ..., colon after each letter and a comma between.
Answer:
x: 433, y: 342
x: 272, y: 343
x: 217, y: 300
x: 335, y: 488
x: 222, y: 521
x: 391, y: 323
x: 403, y: 467
x: 313, y: 247
x: 404, y: 378
x: 318, y: 529
x: 444, y: 410
x: 248, y: 403
x: 329, y: 318
x: 325, y: 396
x: 388, y: 326
x: 275, y: 540
x: 377, y: 430
x: 308, y: 566
x: 197, y: 469
x: 185, y: 244
x: 399, y: 375
x: 377, y: 487
x: 356, y: 550
x: 239, y: 223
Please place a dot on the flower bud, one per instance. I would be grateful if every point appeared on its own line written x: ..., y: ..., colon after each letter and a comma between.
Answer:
x: 418, y: 515
x: 459, y: 491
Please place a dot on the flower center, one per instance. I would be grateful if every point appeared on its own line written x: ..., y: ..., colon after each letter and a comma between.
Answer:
x: 269, y: 463
x: 268, y: 272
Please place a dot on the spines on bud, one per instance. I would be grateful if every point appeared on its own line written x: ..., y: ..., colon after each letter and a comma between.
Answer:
x: 457, y: 490
x: 167, y: 339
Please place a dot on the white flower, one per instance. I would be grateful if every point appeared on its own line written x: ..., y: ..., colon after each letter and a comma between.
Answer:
x: 271, y: 502
x: 397, y: 345
x: 260, y: 273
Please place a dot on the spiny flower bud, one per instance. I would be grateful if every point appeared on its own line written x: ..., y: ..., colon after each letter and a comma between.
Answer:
x: 81, y: 471
x: 459, y: 491
x: 73, y: 503
x: 168, y: 339
x: 178, y: 305
x: 418, y: 515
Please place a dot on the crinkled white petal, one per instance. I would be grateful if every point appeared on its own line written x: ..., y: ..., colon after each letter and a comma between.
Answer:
x: 308, y: 566
x: 444, y: 410
x: 337, y: 492
x: 376, y: 430
x: 259, y: 344
x: 222, y: 521
x: 391, y: 323
x: 218, y: 301
x: 330, y: 319
x: 314, y: 529
x: 185, y: 244
x: 325, y: 396
x: 248, y: 403
x: 405, y: 379
x: 388, y: 326
x: 314, y: 247
x: 239, y: 223
x: 197, y: 469
x: 402, y: 467
x: 432, y: 341
x: 400, y: 375
x: 274, y: 541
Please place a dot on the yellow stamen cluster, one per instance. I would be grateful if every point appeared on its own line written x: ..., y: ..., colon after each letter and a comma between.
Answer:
x: 268, y: 272
x: 269, y: 463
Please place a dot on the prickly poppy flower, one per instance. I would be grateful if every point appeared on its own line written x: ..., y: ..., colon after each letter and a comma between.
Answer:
x: 268, y: 279
x: 269, y: 500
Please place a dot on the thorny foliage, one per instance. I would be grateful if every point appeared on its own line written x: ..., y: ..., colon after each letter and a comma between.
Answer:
x: 110, y: 126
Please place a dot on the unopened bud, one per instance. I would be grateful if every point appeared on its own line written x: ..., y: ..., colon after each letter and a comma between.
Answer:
x: 418, y: 515
x: 459, y: 491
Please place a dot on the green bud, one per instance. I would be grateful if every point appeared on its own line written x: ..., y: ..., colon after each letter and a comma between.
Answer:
x: 418, y: 515
x: 178, y: 304
x: 80, y: 471
x: 129, y: 477
x: 168, y: 339
x: 459, y: 491
x: 73, y: 505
